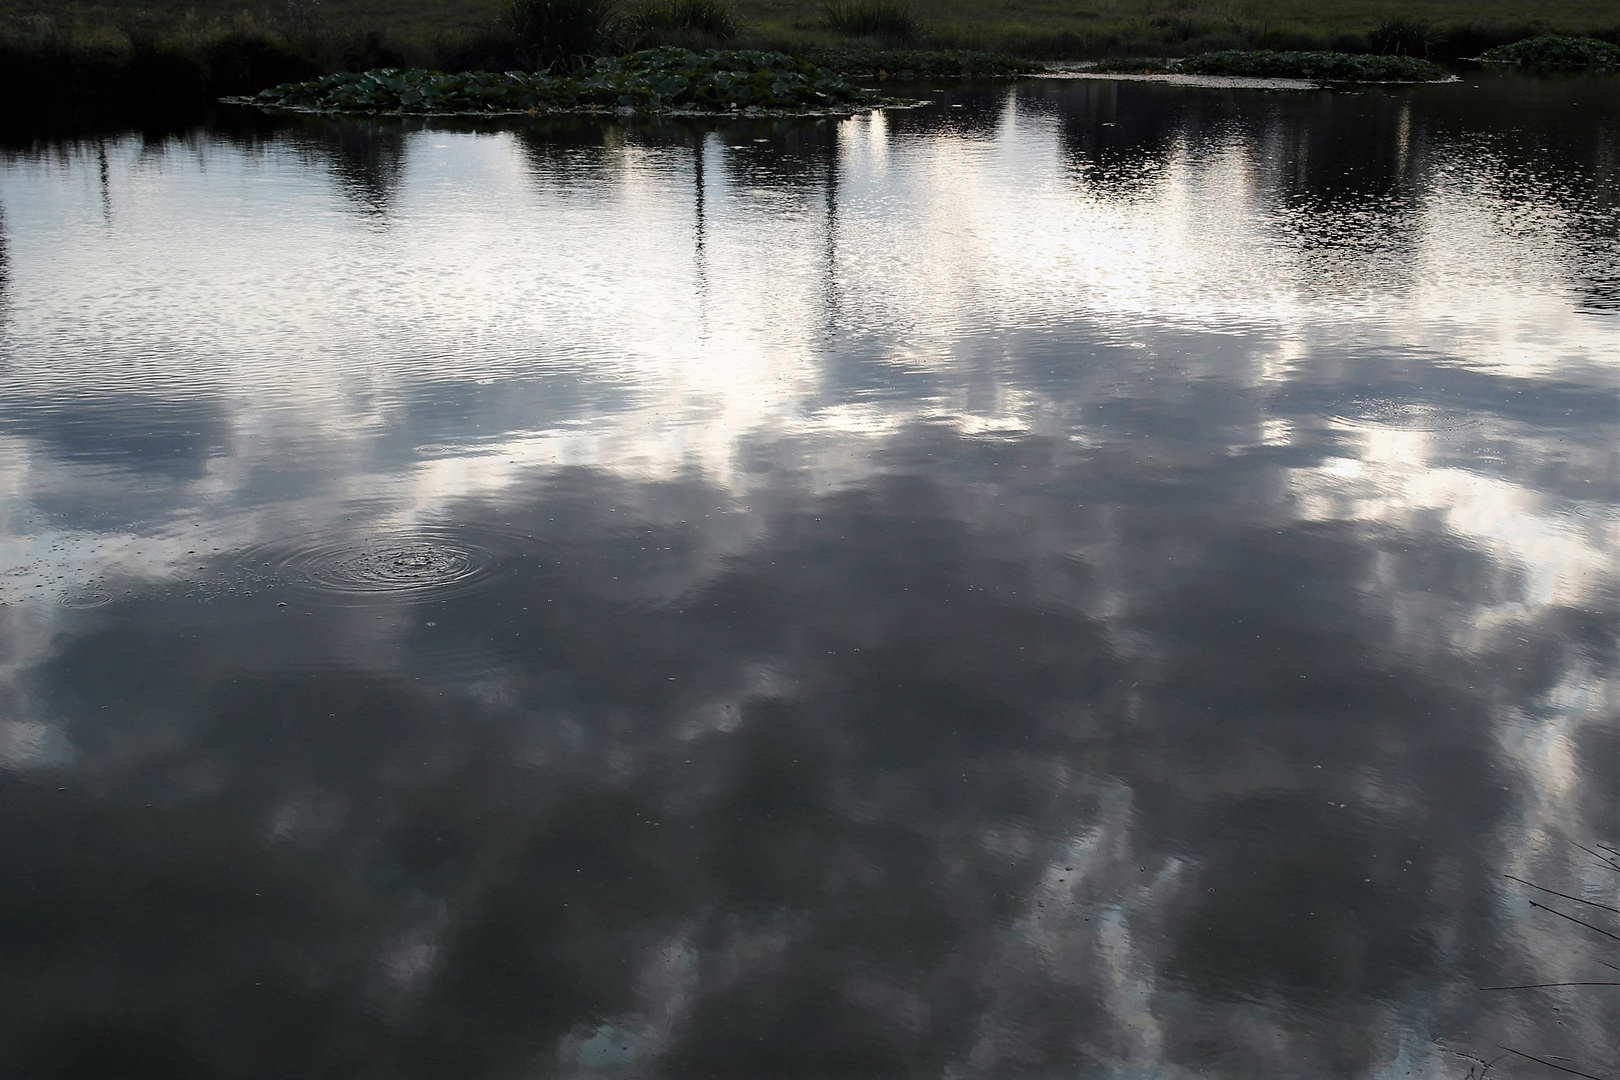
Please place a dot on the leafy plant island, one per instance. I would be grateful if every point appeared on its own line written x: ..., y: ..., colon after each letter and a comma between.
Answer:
x: 662, y: 80
x: 826, y: 82
x: 1558, y: 54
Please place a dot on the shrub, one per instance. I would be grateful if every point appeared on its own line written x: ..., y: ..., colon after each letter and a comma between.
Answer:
x: 492, y: 49
x: 561, y: 33
x: 372, y: 49
x: 1404, y: 37
x: 1557, y: 52
x: 1289, y: 40
x: 710, y: 17
x: 888, y: 20
x: 243, y: 61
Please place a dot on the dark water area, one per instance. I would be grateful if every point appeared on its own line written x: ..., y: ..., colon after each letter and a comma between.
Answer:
x: 1076, y: 580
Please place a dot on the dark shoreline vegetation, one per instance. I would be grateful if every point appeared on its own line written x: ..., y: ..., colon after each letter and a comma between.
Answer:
x: 668, y: 79
x: 1326, y: 67
x: 729, y: 81
x: 76, y: 67
x: 1558, y: 54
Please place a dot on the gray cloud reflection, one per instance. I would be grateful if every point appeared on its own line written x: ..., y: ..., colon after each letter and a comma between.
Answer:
x: 975, y: 592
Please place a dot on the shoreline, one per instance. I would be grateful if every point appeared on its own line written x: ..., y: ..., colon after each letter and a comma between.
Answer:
x: 1234, y: 82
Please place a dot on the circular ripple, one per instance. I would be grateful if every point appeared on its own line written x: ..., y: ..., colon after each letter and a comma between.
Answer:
x: 416, y: 565
x: 400, y: 566
x: 85, y: 599
x: 1378, y: 412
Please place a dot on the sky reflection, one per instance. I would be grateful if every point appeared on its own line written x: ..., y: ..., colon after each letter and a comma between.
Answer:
x: 1097, y: 581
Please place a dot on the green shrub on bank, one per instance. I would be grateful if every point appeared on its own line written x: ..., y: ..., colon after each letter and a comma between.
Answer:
x: 241, y: 62
x: 561, y: 33
x: 1404, y: 37
x: 654, y: 80
x: 1314, y: 66
x: 886, y: 20
x: 710, y: 17
x: 1565, y: 53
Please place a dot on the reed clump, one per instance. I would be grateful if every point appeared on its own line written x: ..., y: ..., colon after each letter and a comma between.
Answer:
x: 666, y: 20
x: 564, y: 34
x: 892, y: 21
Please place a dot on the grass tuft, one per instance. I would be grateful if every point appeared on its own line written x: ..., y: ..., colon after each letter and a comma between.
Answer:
x: 886, y: 20
x: 1404, y: 37
x: 674, y: 17
x: 561, y: 33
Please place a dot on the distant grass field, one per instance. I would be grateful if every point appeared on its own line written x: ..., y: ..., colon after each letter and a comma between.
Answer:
x: 1036, y: 27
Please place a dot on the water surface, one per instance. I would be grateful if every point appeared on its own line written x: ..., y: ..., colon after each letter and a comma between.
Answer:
x: 1076, y: 580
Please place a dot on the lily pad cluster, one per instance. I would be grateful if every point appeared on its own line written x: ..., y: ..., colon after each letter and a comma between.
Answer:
x: 415, y: 90
x: 1314, y: 66
x: 1564, y: 53
x: 654, y: 80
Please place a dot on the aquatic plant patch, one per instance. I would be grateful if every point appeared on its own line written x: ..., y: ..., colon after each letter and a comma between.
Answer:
x: 655, y: 80
x: 1320, y: 66
x: 1266, y: 64
x: 1561, y: 53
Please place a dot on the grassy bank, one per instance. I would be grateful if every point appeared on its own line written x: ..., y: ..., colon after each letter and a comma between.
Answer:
x: 418, y: 30
x: 67, y: 61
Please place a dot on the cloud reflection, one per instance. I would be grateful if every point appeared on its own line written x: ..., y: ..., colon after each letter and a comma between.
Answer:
x: 973, y: 592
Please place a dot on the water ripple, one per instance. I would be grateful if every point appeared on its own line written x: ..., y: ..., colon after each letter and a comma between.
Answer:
x: 417, y: 564
x: 1367, y: 412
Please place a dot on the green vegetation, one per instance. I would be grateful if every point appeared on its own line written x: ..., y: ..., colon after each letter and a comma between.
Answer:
x: 115, y: 61
x: 918, y: 65
x: 656, y: 80
x: 664, y: 18
x: 1326, y: 67
x: 883, y: 20
x: 1558, y: 53
x: 1405, y: 37
x: 419, y: 31
x: 560, y: 33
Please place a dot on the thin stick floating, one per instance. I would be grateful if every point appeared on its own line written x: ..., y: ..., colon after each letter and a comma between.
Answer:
x: 1552, y: 1065
x: 1543, y: 986
x: 1573, y: 919
x: 1566, y: 896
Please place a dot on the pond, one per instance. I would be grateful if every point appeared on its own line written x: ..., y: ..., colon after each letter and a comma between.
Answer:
x: 1073, y: 580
